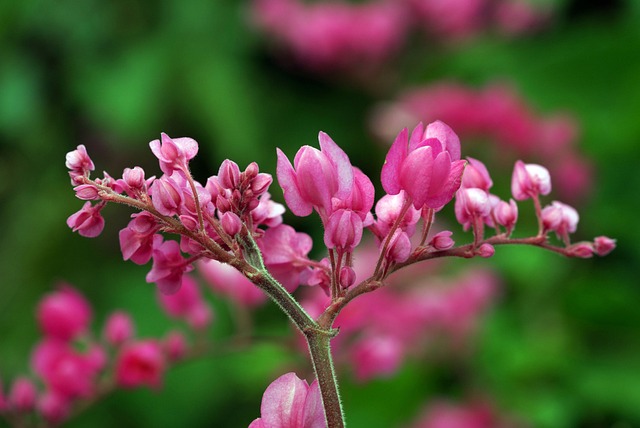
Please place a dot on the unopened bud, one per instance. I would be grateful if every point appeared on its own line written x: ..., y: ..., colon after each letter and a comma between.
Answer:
x: 486, y: 250
x: 347, y: 276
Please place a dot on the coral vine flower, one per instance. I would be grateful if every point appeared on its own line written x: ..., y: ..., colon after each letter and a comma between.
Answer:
x: 88, y: 222
x: 426, y: 166
x: 140, y: 363
x: 168, y: 267
x: 64, y: 314
x: 529, y: 180
x: 174, y: 153
x: 118, y: 328
x: 289, y: 402
x: 315, y: 178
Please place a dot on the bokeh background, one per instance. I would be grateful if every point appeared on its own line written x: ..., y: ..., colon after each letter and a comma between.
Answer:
x: 559, y: 348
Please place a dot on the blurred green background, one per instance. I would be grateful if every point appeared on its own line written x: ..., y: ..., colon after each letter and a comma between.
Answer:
x: 560, y: 349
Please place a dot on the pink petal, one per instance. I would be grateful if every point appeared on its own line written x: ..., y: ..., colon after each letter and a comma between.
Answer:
x: 287, y: 180
x: 313, y: 410
x: 415, y: 176
x: 390, y: 176
x: 283, y: 402
x: 340, y: 161
x: 447, y: 137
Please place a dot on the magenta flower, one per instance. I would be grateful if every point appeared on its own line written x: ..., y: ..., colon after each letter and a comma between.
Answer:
x: 560, y: 218
x: 118, y: 328
x: 166, y: 195
x: 476, y: 175
x: 378, y: 355
x: 226, y: 280
x: 64, y: 314
x: 138, y: 238
x: 506, y: 214
x: 63, y: 370
x: 603, y: 245
x: 79, y: 163
x: 174, y: 154
x: 315, y: 178
x: 289, y: 402
x: 285, y: 254
x: 23, y: 394
x: 168, y: 267
x: 88, y: 222
x: 426, y: 166
x: 471, y: 204
x: 175, y: 346
x: 140, y: 363
x: 54, y: 407
x: 187, y: 303
x: 343, y: 230
x: 529, y: 180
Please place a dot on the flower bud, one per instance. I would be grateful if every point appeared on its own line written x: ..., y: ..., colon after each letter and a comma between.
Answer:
x: 231, y: 223
x: 347, y: 276
x: 134, y: 178
x: 118, y: 328
x: 486, y: 250
x: 344, y: 230
x: 529, y: 180
x: 603, y: 245
x: 506, y: 214
x: 22, y: 396
x: 583, y: 250
x: 476, y: 175
x: 399, y: 247
x: 175, y: 346
x: 86, y: 192
x: 442, y: 240
x: 166, y: 196
x: 229, y: 174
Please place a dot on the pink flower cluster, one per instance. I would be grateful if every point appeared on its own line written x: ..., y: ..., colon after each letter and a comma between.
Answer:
x: 74, y: 367
x: 339, y: 35
x: 495, y: 113
x: 230, y: 204
x: 405, y: 319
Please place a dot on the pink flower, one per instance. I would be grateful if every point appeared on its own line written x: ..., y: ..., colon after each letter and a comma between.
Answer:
x: 442, y: 240
x: 54, y: 407
x: 140, y: 363
x: 506, y: 214
x: 118, y: 328
x: 88, y: 222
x: 316, y: 177
x: 168, y: 267
x: 285, y: 254
x: 376, y: 356
x: 63, y: 370
x: 174, y: 154
x: 560, y: 218
x: 476, y: 175
x: 64, y: 314
x: 426, y: 166
x: 187, y: 303
x: 388, y: 209
x: 166, y: 195
x: 137, y: 239
x: 471, y: 204
x: 603, y: 245
x: 22, y: 396
x: 175, y: 346
x: 529, y: 180
x: 226, y: 280
x: 343, y: 230
x: 79, y: 163
x: 290, y: 402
